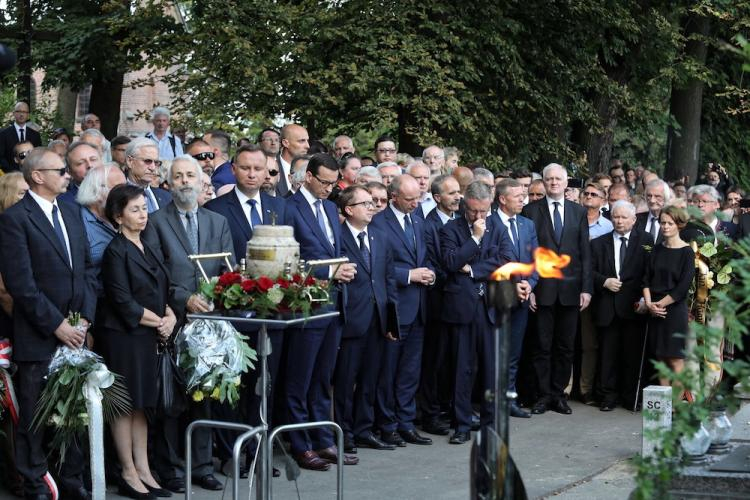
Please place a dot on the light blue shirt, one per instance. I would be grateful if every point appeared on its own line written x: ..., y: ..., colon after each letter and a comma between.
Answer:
x: 165, y: 146
x: 100, y: 234
x: 599, y: 227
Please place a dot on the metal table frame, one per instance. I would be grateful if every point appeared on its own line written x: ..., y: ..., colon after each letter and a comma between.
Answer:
x: 260, y: 433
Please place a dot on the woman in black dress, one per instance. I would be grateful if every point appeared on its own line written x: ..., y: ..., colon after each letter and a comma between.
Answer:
x: 133, y: 317
x: 668, y: 277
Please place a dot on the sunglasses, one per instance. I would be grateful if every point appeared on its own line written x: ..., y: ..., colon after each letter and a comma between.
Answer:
x: 22, y: 155
x: 273, y: 173
x: 380, y: 201
x: 61, y: 171
x: 149, y: 161
x: 209, y: 155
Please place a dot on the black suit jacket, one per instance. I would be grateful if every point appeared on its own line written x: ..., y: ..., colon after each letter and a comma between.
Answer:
x: 432, y: 227
x: 609, y: 306
x: 8, y: 140
x: 130, y: 286
x: 166, y: 233
x: 282, y: 187
x: 641, y: 223
x: 574, y: 242
x: 39, y: 277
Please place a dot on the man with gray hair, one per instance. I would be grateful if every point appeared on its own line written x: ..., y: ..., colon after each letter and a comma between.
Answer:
x: 341, y: 145
x: 92, y: 196
x: 434, y: 158
x: 708, y: 200
x: 388, y: 171
x: 178, y: 230
x: 297, y: 175
x: 169, y: 145
x: 421, y: 173
x: 472, y: 247
x: 142, y: 158
x: 619, y: 260
x: 91, y: 122
x: 368, y: 174
x: 657, y: 194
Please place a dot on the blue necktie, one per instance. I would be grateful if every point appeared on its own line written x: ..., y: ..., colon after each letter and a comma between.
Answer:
x: 409, y: 231
x: 514, y: 233
x: 59, y: 231
x: 321, y: 217
x: 255, y: 219
x: 150, y: 203
x: 558, y: 223
x: 364, y: 250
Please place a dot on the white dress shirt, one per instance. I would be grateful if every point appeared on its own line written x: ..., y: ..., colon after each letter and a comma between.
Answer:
x: 46, y: 207
x: 617, y: 248
x: 355, y: 233
x: 311, y: 201
x: 246, y: 208
x: 551, y: 208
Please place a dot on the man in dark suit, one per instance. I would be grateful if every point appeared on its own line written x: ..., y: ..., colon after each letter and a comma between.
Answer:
x: 142, y: 157
x: 16, y: 133
x: 473, y: 246
x: 80, y: 158
x: 294, y: 142
x: 619, y: 261
x: 369, y: 296
x: 657, y: 194
x: 244, y: 208
x: 561, y: 226
x: 402, y: 357
x: 510, y: 195
x: 178, y: 230
x: 48, y: 272
x: 435, y: 383
x: 312, y: 348
x: 708, y: 200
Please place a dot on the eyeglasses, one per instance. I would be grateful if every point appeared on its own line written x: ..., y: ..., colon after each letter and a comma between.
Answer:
x: 432, y: 158
x: 589, y: 193
x: 149, y: 161
x: 325, y: 183
x: 61, y: 171
x: 391, y: 151
x: 22, y: 155
x: 274, y: 173
x: 208, y: 155
x: 367, y: 204
x: 272, y: 140
x: 380, y: 201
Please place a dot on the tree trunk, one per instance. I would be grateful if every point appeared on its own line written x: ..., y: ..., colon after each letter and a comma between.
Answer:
x: 407, y: 143
x: 105, y: 103
x: 683, y: 139
x: 66, y: 107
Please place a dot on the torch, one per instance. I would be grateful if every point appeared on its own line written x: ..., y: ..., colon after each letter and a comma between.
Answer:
x: 494, y: 474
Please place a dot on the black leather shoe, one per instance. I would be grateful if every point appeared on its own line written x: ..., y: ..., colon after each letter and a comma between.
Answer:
x: 561, y: 406
x: 349, y: 445
x: 588, y: 399
x: 516, y: 411
x: 175, y: 485
x: 476, y: 423
x: 79, y: 493
x: 435, y: 426
x: 159, y: 492
x: 208, y: 482
x: 540, y: 407
x: 608, y: 406
x: 126, y: 490
x: 370, y: 441
x: 413, y: 437
x: 392, y: 438
x: 460, y: 437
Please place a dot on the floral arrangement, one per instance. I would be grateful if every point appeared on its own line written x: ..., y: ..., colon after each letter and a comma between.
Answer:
x: 62, y: 403
x: 213, y: 356
x: 266, y: 296
x: 718, y: 261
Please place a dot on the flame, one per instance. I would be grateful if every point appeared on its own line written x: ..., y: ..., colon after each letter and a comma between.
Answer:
x: 546, y: 262
x: 549, y: 264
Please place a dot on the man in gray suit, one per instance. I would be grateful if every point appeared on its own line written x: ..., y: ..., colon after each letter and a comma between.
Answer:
x: 179, y: 229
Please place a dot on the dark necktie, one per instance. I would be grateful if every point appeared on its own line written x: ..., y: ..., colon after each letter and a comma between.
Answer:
x: 514, y: 233
x: 22, y: 134
x: 409, y: 231
x: 151, y: 205
x: 192, y: 232
x: 321, y: 218
x: 558, y: 223
x: 623, y: 251
x: 364, y: 250
x: 653, y: 227
x: 59, y: 231
x: 255, y: 219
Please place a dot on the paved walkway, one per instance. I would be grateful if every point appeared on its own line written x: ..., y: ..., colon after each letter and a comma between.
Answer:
x: 583, y: 455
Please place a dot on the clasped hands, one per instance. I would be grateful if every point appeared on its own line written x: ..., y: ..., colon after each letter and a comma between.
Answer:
x: 421, y: 276
x: 657, y: 309
x: 166, y: 324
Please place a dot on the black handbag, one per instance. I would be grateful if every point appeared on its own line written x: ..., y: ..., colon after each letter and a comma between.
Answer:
x: 171, y: 397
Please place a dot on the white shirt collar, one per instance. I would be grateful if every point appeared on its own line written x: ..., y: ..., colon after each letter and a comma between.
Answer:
x: 617, y: 236
x: 355, y: 232
x: 43, y: 203
x: 444, y: 218
x: 399, y: 214
x: 311, y: 199
x: 244, y: 198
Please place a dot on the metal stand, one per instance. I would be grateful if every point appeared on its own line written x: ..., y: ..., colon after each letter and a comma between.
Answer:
x: 265, y: 452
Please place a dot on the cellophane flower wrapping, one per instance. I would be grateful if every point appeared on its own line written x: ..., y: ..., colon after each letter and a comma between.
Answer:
x: 213, y: 355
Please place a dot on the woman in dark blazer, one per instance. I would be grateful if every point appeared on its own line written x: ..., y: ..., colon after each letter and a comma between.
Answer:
x: 133, y: 317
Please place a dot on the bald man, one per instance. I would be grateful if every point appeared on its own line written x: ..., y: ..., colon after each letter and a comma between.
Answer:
x: 464, y: 176
x: 294, y: 142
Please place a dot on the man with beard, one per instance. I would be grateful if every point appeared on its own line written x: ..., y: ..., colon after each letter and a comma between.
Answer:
x: 180, y: 229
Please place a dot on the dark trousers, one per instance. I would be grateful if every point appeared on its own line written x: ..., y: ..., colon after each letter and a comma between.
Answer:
x: 31, y: 458
x: 168, y: 438
x: 475, y: 355
x: 518, y: 319
x: 399, y: 379
x: 310, y: 364
x: 436, y: 384
x: 620, y: 348
x: 553, y: 358
x: 350, y: 379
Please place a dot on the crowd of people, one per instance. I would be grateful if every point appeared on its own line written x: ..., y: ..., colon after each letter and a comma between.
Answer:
x: 104, y: 228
